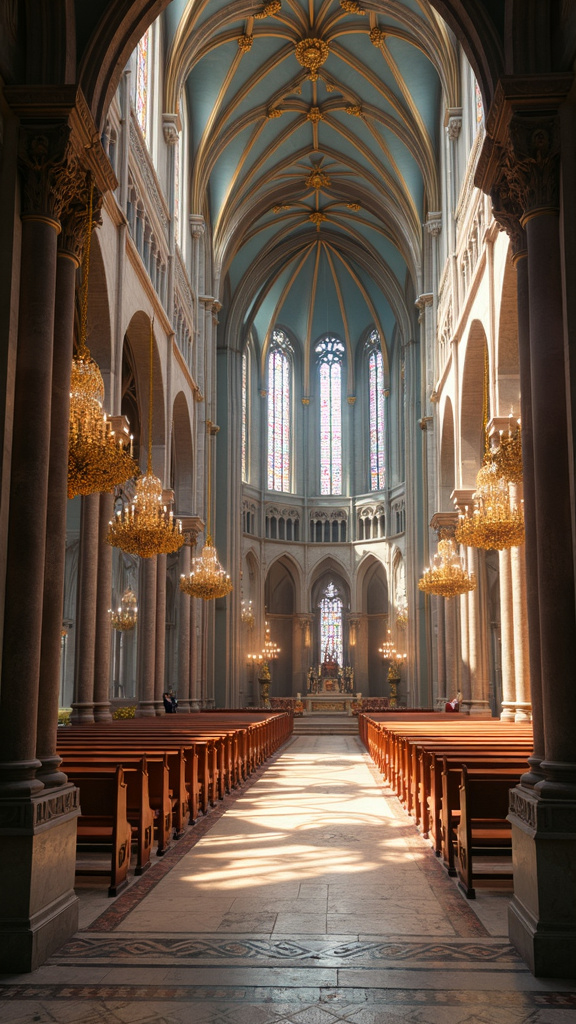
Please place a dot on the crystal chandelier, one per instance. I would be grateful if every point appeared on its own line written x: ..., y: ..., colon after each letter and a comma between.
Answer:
x: 145, y: 527
x: 494, y: 522
x: 125, y: 617
x: 207, y: 578
x: 402, y: 614
x: 270, y: 649
x: 98, y: 458
x: 447, y: 577
x: 387, y: 650
x: 247, y: 614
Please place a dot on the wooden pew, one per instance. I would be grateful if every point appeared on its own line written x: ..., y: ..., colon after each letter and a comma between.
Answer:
x: 103, y: 823
x: 483, y: 830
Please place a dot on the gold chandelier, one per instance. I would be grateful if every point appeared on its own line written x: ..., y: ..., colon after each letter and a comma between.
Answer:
x: 125, y: 617
x: 145, y: 527
x: 247, y: 614
x: 98, y: 459
x: 207, y: 578
x: 494, y: 522
x: 447, y: 577
x: 508, y: 454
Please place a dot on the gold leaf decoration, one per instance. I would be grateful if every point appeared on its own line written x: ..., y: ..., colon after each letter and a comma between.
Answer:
x: 317, y: 217
x: 274, y: 112
x: 351, y: 7
x: 315, y: 114
x: 245, y: 43
x: 269, y: 9
x: 356, y: 111
x: 377, y: 36
x: 311, y: 54
x: 317, y: 179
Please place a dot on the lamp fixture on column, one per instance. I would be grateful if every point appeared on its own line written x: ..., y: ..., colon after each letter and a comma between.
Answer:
x: 387, y: 650
x: 99, y: 457
x: 125, y: 617
x: 145, y: 527
x: 246, y: 610
x: 446, y: 576
x: 207, y: 578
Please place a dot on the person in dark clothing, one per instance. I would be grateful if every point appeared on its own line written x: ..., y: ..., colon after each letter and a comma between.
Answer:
x: 168, y: 704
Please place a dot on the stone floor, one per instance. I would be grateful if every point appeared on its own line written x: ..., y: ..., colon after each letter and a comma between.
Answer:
x: 307, y: 897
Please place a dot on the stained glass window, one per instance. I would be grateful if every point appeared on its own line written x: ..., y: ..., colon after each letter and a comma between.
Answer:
x: 142, y: 55
x: 279, y: 400
x: 479, y: 105
x: 330, y: 353
x: 244, y: 413
x: 331, y: 639
x: 376, y: 403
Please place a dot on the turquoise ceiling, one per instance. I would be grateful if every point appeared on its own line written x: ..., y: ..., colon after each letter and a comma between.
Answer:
x: 314, y: 133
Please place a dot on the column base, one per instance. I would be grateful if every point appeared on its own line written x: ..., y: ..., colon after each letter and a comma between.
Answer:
x: 39, y: 910
x: 523, y: 712
x: 476, y: 708
x: 102, y: 712
x: 195, y: 705
x: 146, y: 709
x: 184, y: 706
x: 542, y: 913
x: 508, y: 712
x: 82, y: 714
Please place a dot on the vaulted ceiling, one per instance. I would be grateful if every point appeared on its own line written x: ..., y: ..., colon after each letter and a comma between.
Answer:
x: 314, y: 153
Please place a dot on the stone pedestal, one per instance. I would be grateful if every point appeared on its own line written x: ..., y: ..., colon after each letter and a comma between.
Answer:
x: 37, y: 861
x: 542, y: 914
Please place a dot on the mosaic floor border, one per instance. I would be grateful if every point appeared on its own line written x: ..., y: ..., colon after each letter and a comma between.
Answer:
x: 132, y: 950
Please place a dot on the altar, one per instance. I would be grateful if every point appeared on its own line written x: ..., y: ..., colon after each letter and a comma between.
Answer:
x: 330, y: 702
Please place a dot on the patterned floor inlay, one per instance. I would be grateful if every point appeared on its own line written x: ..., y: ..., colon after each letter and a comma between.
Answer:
x: 164, y: 949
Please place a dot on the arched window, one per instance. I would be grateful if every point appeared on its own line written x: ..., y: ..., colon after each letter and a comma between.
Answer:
x: 331, y: 639
x: 376, y: 406
x: 142, y: 82
x: 330, y: 352
x: 279, y: 403
x: 244, y: 416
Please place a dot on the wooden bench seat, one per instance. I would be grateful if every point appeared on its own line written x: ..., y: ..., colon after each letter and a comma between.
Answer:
x: 483, y: 829
x: 103, y: 825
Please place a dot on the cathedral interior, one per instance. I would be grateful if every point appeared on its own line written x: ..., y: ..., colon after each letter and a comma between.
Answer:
x: 322, y: 254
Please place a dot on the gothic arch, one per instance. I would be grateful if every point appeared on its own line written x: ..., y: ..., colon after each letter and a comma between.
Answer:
x: 447, y: 458
x: 182, y: 454
x: 138, y: 337
x: 471, y: 405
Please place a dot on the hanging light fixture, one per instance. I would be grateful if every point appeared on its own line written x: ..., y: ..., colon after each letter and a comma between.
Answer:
x: 270, y: 649
x: 99, y: 458
x: 387, y: 650
x: 402, y: 614
x: 508, y: 455
x: 125, y: 617
x: 446, y: 576
x: 145, y: 527
x: 207, y: 578
x: 246, y: 610
x: 495, y: 521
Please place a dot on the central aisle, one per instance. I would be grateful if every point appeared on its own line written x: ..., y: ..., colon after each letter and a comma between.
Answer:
x: 307, y: 898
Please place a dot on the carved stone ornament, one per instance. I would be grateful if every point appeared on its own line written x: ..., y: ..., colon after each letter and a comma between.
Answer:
x: 507, y: 214
x: 532, y: 163
x: 317, y: 179
x: 311, y: 54
x: 355, y: 110
x: 351, y: 7
x: 274, y: 112
x: 434, y: 224
x: 48, y: 168
x: 377, y: 36
x: 73, y: 217
x: 453, y: 128
x: 245, y: 43
x: 270, y: 9
x: 197, y: 225
x: 170, y: 129
x: 317, y: 217
x: 314, y: 115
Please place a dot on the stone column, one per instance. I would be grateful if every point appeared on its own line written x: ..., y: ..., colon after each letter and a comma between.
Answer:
x: 83, y: 703
x: 160, y: 645
x: 39, y: 908
x: 521, y: 163
x: 522, y: 694
x: 442, y: 690
x: 70, y: 246
x: 184, y: 615
x: 507, y: 638
x: 103, y: 601
x: 453, y: 663
x: 147, y: 640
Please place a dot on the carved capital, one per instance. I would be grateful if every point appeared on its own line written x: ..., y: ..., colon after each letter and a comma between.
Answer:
x: 197, y: 225
x: 532, y: 164
x: 47, y: 168
x: 434, y: 224
x: 171, y: 128
x: 74, y: 215
x: 453, y: 128
x: 507, y: 214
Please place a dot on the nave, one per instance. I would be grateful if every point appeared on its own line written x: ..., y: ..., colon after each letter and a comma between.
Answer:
x: 306, y: 897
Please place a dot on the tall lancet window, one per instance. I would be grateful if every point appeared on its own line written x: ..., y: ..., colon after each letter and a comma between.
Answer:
x: 142, y: 82
x: 376, y: 404
x: 331, y: 638
x: 279, y: 404
x: 330, y: 352
x: 244, y: 416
